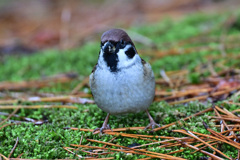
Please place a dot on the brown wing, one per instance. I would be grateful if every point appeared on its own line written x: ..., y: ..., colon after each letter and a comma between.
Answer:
x: 147, y: 70
x: 94, y: 68
x: 143, y: 62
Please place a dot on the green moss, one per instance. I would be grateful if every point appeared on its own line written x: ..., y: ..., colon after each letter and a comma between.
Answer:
x: 47, y: 63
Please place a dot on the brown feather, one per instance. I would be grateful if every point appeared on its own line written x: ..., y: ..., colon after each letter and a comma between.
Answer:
x: 143, y: 62
x: 94, y: 68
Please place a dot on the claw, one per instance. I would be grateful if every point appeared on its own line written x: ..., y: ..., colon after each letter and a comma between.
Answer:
x: 102, y: 129
x: 105, y: 126
x: 152, y: 123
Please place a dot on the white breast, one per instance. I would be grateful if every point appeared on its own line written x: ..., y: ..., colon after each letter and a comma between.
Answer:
x: 129, y: 90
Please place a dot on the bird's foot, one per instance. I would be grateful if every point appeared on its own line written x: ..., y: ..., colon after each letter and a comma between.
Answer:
x: 104, y: 127
x: 152, y: 125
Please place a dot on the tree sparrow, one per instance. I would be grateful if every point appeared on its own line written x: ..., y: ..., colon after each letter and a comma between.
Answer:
x: 121, y: 82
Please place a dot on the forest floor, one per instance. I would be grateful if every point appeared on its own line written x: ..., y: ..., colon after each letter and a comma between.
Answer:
x: 47, y: 111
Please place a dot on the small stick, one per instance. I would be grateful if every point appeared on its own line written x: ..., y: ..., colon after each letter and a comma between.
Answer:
x: 216, y: 134
x: 211, y: 69
x: 163, y: 142
x: 4, y: 156
x: 109, y: 141
x: 66, y: 148
x: 176, y: 94
x: 166, y: 78
x: 137, y: 135
x: 14, y: 147
x: 20, y: 155
x: 203, y: 147
x: 100, y: 158
x: 80, y: 85
x: 106, y: 144
x: 224, y: 123
x: 225, y: 111
x: 61, y: 78
x: 238, y: 104
x: 194, y: 136
x: 15, y: 111
x: 81, y: 140
x: 209, y: 136
x: 116, y: 145
x: 229, y: 119
x: 96, y: 154
x: 37, y: 106
x: 121, y: 129
x: 238, y: 156
x: 181, y: 150
x: 121, y: 150
x: 189, y: 99
x: 145, y: 158
x: 187, y: 118
x: 160, y: 154
x: 205, y: 97
x: 9, y: 124
x: 235, y: 130
x: 147, y: 139
x: 229, y: 125
x: 25, y: 118
x: 204, y: 152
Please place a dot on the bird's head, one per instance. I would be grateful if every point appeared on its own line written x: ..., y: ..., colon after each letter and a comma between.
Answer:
x: 117, y: 50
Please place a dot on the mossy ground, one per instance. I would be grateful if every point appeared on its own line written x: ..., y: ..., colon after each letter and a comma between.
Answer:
x: 46, y: 141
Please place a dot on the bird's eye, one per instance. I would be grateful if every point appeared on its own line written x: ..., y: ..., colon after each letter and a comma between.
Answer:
x: 101, y: 44
x: 122, y: 44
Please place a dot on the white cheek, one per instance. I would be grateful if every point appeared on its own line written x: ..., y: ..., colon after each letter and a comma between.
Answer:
x: 124, y: 61
x: 122, y: 57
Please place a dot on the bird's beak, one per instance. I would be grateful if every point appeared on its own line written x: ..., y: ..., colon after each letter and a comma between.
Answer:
x: 109, y: 48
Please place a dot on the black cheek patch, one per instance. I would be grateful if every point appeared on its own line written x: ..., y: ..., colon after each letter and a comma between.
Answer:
x: 130, y: 52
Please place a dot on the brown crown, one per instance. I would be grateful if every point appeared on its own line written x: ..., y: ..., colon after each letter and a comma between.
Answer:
x: 116, y: 35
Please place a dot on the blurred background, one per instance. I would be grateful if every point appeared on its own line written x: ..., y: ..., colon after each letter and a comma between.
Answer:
x: 31, y: 25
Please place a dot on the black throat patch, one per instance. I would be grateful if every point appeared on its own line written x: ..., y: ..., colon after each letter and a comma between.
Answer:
x: 112, y: 60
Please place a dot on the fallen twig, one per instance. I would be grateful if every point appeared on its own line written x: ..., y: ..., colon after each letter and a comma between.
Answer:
x: 61, y: 78
x: 15, y: 111
x: 64, y: 99
x: 14, y: 147
x: 194, y: 136
x: 187, y: 118
x: 36, y: 106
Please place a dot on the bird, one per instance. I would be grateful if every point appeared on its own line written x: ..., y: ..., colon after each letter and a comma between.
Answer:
x: 121, y: 82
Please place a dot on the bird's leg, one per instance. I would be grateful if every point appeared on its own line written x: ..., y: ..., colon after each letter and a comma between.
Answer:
x: 104, y: 126
x: 152, y: 123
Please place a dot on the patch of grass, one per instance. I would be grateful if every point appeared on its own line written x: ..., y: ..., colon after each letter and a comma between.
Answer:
x: 46, y: 141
